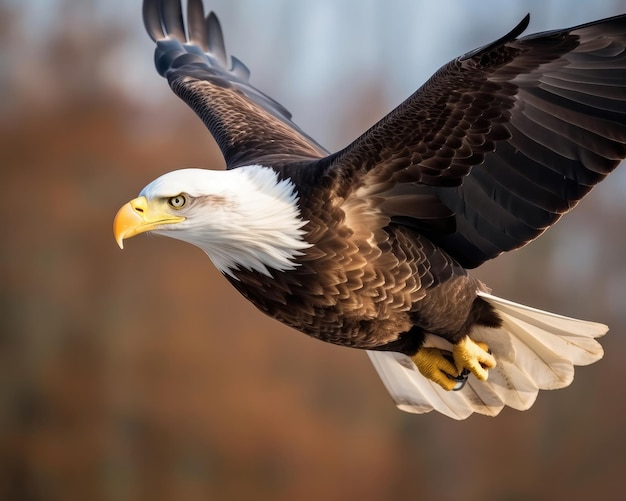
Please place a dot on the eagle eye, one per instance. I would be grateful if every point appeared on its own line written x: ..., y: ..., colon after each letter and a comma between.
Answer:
x: 177, y: 202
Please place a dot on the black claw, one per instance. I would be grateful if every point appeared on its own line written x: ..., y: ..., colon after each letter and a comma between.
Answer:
x: 461, y: 379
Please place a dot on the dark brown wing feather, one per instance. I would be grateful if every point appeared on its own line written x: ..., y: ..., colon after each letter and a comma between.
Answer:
x: 501, y: 142
x: 249, y: 126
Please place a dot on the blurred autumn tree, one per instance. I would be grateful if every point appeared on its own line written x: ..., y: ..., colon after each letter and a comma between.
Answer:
x: 142, y: 375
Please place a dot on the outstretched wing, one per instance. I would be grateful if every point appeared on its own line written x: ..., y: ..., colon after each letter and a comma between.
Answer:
x: 248, y: 126
x: 501, y: 142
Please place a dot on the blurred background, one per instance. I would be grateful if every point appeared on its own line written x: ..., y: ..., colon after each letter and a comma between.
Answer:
x: 143, y: 375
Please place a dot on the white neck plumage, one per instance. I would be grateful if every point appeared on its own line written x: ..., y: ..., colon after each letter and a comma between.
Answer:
x: 244, y: 218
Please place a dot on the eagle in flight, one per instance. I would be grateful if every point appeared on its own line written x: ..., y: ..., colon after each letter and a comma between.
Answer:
x: 370, y: 246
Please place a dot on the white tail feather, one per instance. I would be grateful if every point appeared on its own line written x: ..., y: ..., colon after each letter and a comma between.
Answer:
x: 534, y: 350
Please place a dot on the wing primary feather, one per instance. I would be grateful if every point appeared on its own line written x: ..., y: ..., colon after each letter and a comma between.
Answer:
x: 172, y: 13
x: 196, y: 24
x: 241, y: 70
x: 215, y: 38
x: 152, y: 19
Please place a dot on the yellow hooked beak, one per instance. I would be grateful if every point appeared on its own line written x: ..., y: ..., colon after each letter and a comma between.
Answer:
x: 139, y: 216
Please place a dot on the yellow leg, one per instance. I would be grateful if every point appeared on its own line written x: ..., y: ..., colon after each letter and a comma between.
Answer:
x: 433, y: 365
x: 474, y: 357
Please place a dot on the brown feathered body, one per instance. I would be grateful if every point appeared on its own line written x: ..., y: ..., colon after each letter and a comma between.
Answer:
x: 366, y: 282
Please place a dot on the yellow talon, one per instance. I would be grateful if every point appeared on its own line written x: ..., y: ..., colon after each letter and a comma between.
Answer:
x: 434, y: 366
x: 473, y: 356
x: 469, y: 356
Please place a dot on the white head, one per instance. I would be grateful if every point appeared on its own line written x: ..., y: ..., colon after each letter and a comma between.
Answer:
x: 242, y: 218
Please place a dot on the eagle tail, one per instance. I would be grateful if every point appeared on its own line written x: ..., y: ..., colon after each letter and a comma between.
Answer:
x: 534, y: 350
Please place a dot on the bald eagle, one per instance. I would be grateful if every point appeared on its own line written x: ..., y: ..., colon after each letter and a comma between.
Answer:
x: 370, y: 246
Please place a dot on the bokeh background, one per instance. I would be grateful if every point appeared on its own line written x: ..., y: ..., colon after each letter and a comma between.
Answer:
x: 142, y: 375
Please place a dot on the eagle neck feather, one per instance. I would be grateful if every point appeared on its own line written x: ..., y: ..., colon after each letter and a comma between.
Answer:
x: 260, y: 229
